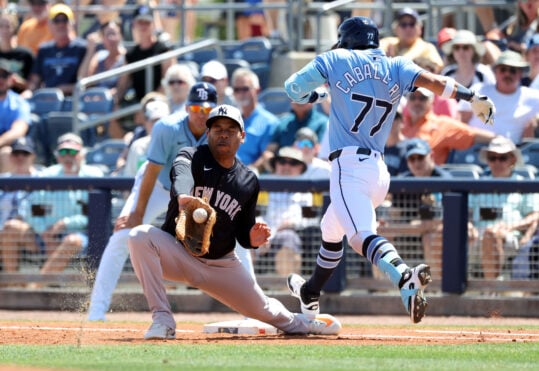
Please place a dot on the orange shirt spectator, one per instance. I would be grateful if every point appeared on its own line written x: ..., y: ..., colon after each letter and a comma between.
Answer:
x: 35, y: 29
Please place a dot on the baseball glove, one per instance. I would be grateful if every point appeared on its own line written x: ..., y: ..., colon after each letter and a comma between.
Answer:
x: 483, y: 108
x: 195, y: 236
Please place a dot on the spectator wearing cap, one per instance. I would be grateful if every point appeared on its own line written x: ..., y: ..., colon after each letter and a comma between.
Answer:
x: 150, y: 194
x: 14, y: 114
x: 394, y: 150
x: 284, y: 216
x: 532, y: 57
x: 416, y: 218
x: 503, y: 221
x: 215, y: 73
x: 300, y: 116
x: 408, y: 41
x: 306, y: 141
x: 147, y: 45
x: 177, y: 82
x: 58, y: 61
x: 463, y: 53
x: 259, y: 122
x: 517, y: 105
x: 53, y: 223
x: 35, y: 29
x: 19, y: 58
x: 441, y: 132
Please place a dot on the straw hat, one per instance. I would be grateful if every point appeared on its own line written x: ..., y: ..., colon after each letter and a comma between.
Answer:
x: 464, y: 37
x: 501, y: 145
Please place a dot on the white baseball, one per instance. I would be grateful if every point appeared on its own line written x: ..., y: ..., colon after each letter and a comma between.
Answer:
x: 200, y: 215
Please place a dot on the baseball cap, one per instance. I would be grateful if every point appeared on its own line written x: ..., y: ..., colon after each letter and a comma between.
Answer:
x: 512, y: 59
x: 37, y: 2
x: 445, y: 35
x: 417, y: 146
x: 25, y: 144
x: 226, y: 110
x: 501, y: 145
x: 70, y: 141
x: 306, y: 133
x: 214, y: 69
x: 60, y: 8
x: 5, y: 65
x: 289, y: 152
x: 156, y: 110
x: 407, y: 11
x: 143, y: 12
x: 202, y: 94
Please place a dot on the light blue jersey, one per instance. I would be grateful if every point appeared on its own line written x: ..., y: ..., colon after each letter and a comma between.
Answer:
x: 169, y: 135
x: 365, y: 87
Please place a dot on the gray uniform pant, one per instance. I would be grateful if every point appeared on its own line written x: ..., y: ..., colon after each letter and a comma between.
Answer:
x: 157, y: 255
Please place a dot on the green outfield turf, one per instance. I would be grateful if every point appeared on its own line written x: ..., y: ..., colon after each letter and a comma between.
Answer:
x: 169, y: 356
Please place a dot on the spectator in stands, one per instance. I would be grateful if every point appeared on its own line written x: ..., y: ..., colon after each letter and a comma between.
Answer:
x: 170, y: 20
x: 251, y: 22
x: 441, y: 132
x: 301, y: 116
x: 306, y: 141
x: 20, y: 58
x: 519, y: 121
x: 463, y: 53
x: 53, y: 223
x: 418, y: 215
x: 532, y: 57
x: 395, y: 148
x: 177, y: 82
x: 284, y: 216
x: 259, y: 122
x: 58, y: 61
x: 14, y: 114
x: 104, y: 17
x: 408, y: 41
x: 136, y: 155
x: 22, y: 163
x: 517, y: 30
x: 111, y: 55
x: 215, y: 73
x: 502, y: 220
x: 35, y: 30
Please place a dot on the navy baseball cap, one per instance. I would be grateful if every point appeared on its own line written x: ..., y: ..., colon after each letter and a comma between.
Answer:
x: 24, y: 144
x: 407, y: 11
x: 143, y: 12
x: 202, y: 94
x: 417, y: 146
x: 225, y: 110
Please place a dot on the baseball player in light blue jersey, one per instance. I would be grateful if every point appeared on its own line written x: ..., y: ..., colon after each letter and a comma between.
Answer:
x: 366, y: 87
x: 150, y: 194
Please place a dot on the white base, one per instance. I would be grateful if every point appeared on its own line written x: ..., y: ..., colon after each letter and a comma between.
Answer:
x: 243, y: 326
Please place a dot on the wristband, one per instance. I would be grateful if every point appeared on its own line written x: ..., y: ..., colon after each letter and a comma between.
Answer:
x: 448, y: 88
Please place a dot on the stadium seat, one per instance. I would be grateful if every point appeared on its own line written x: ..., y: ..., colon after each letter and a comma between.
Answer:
x: 527, y: 171
x: 106, y: 153
x: 464, y: 170
x: 258, y: 51
x: 58, y: 123
x: 275, y: 100
x: 233, y: 64
x: 530, y: 153
x: 466, y: 156
x: 203, y: 55
x: 46, y: 100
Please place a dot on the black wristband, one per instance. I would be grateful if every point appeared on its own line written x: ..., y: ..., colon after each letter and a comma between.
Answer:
x: 464, y: 93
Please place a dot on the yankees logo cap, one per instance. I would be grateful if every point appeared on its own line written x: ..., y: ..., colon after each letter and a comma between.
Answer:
x: 202, y: 94
x: 226, y: 110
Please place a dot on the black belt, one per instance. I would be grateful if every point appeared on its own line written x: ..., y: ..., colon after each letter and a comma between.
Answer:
x: 360, y: 151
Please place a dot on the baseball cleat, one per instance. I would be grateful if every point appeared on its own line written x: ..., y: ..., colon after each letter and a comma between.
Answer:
x: 158, y: 331
x: 323, y: 324
x: 310, y: 304
x: 411, y: 286
x: 412, y: 283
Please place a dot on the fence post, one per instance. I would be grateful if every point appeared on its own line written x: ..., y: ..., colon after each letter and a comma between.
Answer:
x: 99, y: 226
x: 455, y: 242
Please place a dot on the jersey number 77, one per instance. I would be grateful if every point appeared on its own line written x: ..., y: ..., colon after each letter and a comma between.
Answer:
x: 369, y: 101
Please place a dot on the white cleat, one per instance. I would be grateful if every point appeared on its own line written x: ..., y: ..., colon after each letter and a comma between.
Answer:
x: 158, y: 331
x: 310, y: 304
x: 412, y: 284
x: 323, y: 324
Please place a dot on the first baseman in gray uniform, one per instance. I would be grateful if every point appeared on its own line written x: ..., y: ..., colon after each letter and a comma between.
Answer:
x: 213, y: 171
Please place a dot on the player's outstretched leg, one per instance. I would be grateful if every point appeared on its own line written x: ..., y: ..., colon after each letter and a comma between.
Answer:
x: 412, y: 283
x: 310, y: 305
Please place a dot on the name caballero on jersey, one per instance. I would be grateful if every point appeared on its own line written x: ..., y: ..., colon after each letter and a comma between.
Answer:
x: 223, y: 201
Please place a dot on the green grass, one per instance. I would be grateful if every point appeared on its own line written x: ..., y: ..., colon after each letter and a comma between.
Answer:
x: 168, y: 356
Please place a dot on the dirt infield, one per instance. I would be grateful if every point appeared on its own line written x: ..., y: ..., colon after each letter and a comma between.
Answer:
x: 48, y: 328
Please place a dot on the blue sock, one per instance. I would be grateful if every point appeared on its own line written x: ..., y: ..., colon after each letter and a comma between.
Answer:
x: 381, y: 253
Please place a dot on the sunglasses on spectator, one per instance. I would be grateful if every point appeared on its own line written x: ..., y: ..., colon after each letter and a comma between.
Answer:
x: 20, y: 153
x: 4, y: 74
x: 407, y: 24
x: 511, y: 70
x: 414, y: 158
x: 288, y: 161
x: 211, y: 80
x: 501, y: 158
x: 197, y: 109
x: 68, y: 151
x: 305, y: 143
x: 59, y: 20
x: 241, y: 89
x: 174, y: 82
x: 465, y: 47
